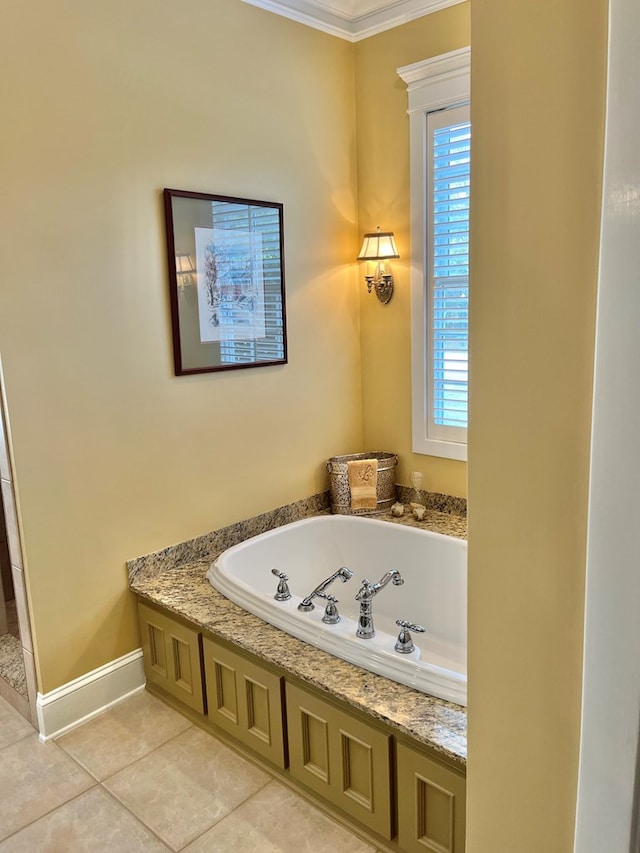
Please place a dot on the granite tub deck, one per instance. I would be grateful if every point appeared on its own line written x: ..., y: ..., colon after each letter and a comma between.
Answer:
x: 175, y: 580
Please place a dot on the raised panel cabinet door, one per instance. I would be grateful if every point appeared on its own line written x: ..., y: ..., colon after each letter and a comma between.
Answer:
x: 431, y: 805
x: 340, y: 757
x: 171, y: 655
x: 245, y: 700
x: 308, y: 727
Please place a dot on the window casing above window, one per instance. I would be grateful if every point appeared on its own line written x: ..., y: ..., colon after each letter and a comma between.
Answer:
x: 438, y: 93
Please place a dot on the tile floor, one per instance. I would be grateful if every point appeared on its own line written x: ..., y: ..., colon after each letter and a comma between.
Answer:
x: 141, y: 777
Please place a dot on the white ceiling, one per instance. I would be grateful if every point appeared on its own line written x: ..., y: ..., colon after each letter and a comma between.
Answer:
x: 353, y: 20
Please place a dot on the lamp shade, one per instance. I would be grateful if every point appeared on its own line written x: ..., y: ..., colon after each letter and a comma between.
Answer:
x: 378, y: 246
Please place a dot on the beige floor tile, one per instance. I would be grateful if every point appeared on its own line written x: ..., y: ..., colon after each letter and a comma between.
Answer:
x: 34, y: 779
x: 186, y: 786
x: 277, y: 820
x: 92, y: 823
x: 123, y: 734
x: 13, y: 725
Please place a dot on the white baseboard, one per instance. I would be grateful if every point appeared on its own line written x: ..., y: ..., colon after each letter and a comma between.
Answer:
x: 83, y: 698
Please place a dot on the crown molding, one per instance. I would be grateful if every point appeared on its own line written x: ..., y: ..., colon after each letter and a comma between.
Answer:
x: 439, y: 81
x: 353, y: 20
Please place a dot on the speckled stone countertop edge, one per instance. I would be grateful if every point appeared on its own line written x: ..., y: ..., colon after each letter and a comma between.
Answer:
x: 183, y: 589
x: 12, y: 663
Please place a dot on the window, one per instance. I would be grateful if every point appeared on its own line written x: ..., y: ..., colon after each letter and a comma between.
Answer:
x: 448, y: 162
x: 440, y: 132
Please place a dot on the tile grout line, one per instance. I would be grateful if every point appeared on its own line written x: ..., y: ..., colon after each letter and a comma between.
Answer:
x: 124, y: 766
x: 136, y: 817
x: 47, y: 813
x: 233, y: 810
x: 140, y: 820
x: 95, y: 782
x: 18, y: 739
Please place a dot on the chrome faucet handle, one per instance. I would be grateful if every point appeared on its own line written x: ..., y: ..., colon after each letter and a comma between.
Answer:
x: 363, y: 592
x: 331, y: 615
x: 404, y: 644
x: 282, y: 593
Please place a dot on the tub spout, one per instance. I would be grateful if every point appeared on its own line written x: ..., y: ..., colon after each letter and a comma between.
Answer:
x: 307, y: 603
x: 365, y: 596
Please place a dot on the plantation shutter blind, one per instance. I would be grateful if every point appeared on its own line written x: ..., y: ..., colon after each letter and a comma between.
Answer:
x: 448, y: 183
x: 264, y: 220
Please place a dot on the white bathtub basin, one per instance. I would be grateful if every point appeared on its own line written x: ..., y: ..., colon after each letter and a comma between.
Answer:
x: 434, y: 568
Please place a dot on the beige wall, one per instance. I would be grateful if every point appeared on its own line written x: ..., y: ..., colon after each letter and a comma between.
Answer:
x: 115, y: 457
x: 383, y: 199
x: 104, y: 104
x: 538, y: 78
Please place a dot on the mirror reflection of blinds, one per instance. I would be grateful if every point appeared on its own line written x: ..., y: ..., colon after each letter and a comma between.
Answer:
x: 450, y: 182
x: 265, y: 220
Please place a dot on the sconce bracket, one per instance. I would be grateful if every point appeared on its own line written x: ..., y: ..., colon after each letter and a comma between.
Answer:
x: 383, y: 287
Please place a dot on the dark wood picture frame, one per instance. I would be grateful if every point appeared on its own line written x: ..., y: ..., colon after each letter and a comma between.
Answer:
x: 226, y: 282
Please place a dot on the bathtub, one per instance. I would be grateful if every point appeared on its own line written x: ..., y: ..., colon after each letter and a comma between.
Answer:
x: 434, y: 594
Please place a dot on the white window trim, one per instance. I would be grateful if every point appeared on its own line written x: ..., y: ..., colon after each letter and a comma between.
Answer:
x: 443, y: 81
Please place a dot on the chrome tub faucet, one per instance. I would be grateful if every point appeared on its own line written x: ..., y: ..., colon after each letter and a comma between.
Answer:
x: 319, y: 592
x: 365, y: 596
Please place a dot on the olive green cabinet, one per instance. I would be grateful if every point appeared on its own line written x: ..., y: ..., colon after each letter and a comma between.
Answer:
x: 171, y: 655
x: 245, y: 700
x: 341, y: 758
x: 401, y: 793
x: 431, y: 804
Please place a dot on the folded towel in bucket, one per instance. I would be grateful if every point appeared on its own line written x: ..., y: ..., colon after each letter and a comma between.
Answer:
x: 363, y: 482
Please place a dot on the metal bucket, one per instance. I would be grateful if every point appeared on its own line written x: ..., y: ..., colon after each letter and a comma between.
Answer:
x: 339, y: 482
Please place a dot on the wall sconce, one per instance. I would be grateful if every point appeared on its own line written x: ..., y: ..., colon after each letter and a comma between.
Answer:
x: 184, y: 270
x: 380, y: 246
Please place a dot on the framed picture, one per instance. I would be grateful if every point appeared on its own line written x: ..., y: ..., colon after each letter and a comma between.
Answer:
x: 226, y: 280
